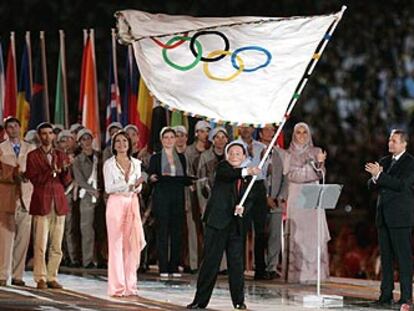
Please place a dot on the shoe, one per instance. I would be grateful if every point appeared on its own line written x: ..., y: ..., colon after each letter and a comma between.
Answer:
x: 382, y: 303
x: 74, y: 265
x: 195, y: 305
x: 261, y: 276
x: 240, y: 306
x: 164, y: 276
x: 90, y: 265
x: 41, y: 285
x: 17, y: 282
x: 223, y: 272
x: 3, y: 283
x: 406, y: 307
x: 176, y: 275
x: 54, y: 285
x: 271, y: 275
x: 102, y: 266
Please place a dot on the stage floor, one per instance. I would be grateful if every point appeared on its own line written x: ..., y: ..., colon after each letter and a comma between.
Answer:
x: 86, y: 290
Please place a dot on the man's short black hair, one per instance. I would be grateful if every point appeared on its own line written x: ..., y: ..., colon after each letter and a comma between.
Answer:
x: 403, y: 134
x: 11, y: 119
x: 44, y: 125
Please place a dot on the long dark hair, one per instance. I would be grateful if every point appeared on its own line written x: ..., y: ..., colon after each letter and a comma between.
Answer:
x: 123, y: 133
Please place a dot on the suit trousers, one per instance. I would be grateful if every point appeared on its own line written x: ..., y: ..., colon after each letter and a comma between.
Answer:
x: 14, y: 242
x: 192, y: 238
x: 274, y: 242
x: 216, y: 241
x: 87, y: 221
x: 257, y: 213
x: 71, y: 232
x: 395, y: 243
x: 48, y: 230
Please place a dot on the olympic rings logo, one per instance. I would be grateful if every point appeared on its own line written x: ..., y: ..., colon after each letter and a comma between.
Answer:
x: 214, y: 56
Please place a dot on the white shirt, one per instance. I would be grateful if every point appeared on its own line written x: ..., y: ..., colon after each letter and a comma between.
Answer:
x: 115, y: 179
x: 394, y: 157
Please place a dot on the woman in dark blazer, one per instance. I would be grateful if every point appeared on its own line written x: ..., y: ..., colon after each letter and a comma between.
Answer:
x: 167, y: 172
x: 224, y: 229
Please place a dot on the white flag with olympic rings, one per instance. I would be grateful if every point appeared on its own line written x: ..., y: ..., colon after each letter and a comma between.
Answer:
x: 241, y: 70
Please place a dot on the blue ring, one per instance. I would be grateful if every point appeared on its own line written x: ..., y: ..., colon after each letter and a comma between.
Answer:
x: 253, y: 48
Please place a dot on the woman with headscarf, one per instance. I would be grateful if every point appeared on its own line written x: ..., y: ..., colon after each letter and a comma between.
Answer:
x: 167, y: 172
x: 305, y: 165
x: 122, y: 175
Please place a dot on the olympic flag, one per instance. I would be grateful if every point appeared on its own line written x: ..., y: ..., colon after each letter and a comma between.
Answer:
x: 241, y: 70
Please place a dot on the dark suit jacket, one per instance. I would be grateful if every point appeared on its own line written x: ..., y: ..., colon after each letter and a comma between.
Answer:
x: 155, y: 168
x: 224, y: 196
x: 395, y: 205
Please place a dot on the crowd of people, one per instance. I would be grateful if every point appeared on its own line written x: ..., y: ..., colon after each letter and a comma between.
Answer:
x: 128, y: 207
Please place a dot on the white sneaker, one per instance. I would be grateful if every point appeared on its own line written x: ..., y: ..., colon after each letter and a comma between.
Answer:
x: 164, y: 275
x: 176, y: 275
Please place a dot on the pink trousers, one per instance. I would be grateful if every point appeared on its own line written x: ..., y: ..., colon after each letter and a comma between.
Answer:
x: 125, y: 242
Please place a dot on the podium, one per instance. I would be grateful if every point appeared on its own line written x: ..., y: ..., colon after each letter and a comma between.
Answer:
x: 320, y: 197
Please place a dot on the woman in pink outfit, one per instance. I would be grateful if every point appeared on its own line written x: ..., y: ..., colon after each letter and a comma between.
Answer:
x: 122, y: 175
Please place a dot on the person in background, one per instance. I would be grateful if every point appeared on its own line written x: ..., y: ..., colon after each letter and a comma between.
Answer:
x: 122, y: 176
x: 393, y: 177
x: 71, y: 249
x: 87, y: 170
x: 224, y: 230
x: 277, y: 187
x: 168, y: 173
x: 32, y: 138
x: 111, y: 129
x: 15, y: 194
x: 305, y: 164
x: 47, y: 169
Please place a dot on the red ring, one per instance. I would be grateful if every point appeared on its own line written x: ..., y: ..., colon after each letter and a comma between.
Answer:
x: 163, y: 45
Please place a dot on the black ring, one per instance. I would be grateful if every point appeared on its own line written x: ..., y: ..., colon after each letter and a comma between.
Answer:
x: 208, y: 32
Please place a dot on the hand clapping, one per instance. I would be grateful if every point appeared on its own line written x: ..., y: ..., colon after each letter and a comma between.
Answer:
x: 373, y: 168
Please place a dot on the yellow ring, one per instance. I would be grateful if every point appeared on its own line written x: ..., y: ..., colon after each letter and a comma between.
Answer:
x: 229, y: 78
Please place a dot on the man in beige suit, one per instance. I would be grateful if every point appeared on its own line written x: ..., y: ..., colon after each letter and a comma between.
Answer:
x: 15, y: 221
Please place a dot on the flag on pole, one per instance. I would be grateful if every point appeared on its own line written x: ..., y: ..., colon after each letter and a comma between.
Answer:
x: 25, y: 88
x: 61, y: 99
x: 10, y: 96
x: 113, y: 107
x: 90, y: 106
x: 130, y: 96
x: 82, y: 82
x: 39, y: 103
x: 2, y: 84
x: 145, y: 104
x: 241, y: 70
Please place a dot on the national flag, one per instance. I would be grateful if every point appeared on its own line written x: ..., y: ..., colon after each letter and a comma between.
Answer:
x: 83, y: 68
x: 2, y: 83
x: 39, y: 105
x: 61, y: 99
x: 90, y: 106
x: 25, y: 88
x: 10, y: 96
x: 130, y: 96
x: 145, y: 104
x: 242, y: 70
x: 113, y: 107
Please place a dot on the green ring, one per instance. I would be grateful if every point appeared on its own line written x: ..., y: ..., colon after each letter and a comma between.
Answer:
x: 178, y: 67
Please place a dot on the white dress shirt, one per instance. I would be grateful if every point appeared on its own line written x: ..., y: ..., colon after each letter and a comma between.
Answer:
x: 115, y: 177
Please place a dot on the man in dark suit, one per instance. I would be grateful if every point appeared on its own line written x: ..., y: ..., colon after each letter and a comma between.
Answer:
x: 393, y: 176
x: 224, y: 229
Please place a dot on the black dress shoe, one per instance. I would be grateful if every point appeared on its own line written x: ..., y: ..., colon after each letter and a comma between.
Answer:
x: 240, y: 306
x: 195, y: 305
x: 261, y: 276
x: 382, y: 303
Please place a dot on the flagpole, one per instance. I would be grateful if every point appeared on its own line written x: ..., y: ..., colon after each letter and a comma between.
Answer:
x: 97, y: 113
x: 44, y: 74
x: 13, y: 47
x: 64, y: 77
x: 115, y: 73
x: 29, y: 57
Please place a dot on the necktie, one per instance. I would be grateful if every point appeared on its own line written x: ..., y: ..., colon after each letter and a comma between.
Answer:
x: 16, y: 149
x: 393, y: 161
x: 239, y: 183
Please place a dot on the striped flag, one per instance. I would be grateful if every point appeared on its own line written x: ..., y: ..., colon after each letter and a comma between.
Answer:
x: 25, y: 88
x: 61, y: 99
x: 130, y: 96
x: 113, y: 107
x: 89, y: 100
x: 2, y: 83
x: 10, y: 96
x: 145, y: 103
